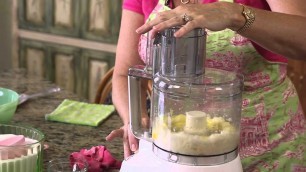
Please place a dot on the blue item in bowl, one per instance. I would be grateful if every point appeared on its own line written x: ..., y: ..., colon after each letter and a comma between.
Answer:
x: 8, y: 104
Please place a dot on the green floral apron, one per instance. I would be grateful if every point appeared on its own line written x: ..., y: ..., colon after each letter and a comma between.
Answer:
x: 273, y: 124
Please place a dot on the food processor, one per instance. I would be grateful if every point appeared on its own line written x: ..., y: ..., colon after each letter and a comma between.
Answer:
x: 195, y: 111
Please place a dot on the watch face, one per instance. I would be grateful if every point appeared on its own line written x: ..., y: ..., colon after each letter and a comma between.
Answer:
x: 249, y: 13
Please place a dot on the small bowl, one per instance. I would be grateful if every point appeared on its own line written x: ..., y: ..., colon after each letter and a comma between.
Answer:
x: 8, y: 104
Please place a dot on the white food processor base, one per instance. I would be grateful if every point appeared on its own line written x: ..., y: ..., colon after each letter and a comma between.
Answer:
x: 146, y: 161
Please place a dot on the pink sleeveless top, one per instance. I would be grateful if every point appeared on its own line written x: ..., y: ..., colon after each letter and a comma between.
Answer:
x: 145, y: 7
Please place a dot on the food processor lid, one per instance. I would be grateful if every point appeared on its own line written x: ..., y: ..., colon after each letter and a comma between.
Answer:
x: 213, y: 84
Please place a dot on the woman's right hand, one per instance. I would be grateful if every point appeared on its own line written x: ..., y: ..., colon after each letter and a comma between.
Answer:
x: 213, y: 16
x: 130, y: 142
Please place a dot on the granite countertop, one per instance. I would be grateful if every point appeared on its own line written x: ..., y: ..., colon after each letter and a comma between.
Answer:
x: 62, y: 139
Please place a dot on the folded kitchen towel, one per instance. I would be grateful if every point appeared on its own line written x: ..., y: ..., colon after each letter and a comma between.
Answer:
x: 74, y: 112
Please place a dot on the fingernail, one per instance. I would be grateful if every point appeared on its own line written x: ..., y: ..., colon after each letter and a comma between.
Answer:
x: 137, y: 30
x: 176, y: 35
x: 133, y: 147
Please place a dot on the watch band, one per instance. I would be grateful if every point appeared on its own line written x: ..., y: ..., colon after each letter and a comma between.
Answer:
x: 249, y: 17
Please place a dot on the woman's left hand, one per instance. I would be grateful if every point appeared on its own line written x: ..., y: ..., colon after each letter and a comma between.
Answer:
x: 213, y: 16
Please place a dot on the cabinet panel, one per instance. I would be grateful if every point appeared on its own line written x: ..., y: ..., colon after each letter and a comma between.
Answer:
x: 96, y: 64
x: 62, y: 13
x: 65, y: 17
x: 32, y: 14
x: 99, y: 16
x: 64, y: 59
x: 33, y: 57
x: 101, y: 20
x: 64, y: 72
x: 35, y: 11
x: 35, y: 61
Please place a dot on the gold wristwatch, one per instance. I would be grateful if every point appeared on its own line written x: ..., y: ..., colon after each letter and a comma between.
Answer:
x: 249, y: 17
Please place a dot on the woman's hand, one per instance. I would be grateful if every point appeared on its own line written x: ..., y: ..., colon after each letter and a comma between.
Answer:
x: 214, y: 16
x: 130, y: 143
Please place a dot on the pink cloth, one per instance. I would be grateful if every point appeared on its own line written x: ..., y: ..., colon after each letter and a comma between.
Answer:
x: 145, y: 7
x: 98, y: 158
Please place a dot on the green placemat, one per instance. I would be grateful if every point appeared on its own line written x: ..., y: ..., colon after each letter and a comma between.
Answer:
x: 74, y: 112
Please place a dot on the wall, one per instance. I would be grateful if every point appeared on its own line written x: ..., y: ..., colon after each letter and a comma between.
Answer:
x: 5, y: 34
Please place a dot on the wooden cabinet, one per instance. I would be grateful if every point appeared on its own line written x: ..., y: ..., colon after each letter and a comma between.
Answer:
x: 69, y: 42
x: 297, y: 73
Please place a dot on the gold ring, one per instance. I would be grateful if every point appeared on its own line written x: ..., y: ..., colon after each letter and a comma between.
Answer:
x: 185, y: 2
x: 186, y: 18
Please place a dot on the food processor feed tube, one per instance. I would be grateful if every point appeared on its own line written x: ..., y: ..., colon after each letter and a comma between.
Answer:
x: 195, y: 115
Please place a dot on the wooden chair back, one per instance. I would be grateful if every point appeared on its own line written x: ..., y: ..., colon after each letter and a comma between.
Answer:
x: 105, y: 88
